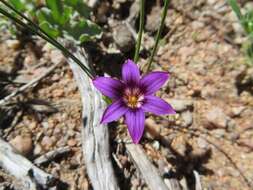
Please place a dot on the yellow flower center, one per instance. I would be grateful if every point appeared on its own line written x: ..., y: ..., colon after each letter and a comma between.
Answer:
x: 132, y: 101
x: 133, y: 97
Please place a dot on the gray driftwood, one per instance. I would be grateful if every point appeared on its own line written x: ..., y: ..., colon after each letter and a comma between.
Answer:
x: 148, y: 170
x: 95, y: 136
x: 22, y: 169
x: 198, y: 185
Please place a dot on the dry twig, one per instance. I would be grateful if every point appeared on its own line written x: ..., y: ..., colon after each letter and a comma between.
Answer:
x: 22, y: 169
x: 51, y: 155
x: 33, y: 82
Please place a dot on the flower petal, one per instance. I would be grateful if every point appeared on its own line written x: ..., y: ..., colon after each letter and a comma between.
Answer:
x: 153, y: 81
x: 108, y: 86
x: 135, y: 122
x: 130, y: 72
x: 114, y: 111
x: 157, y: 106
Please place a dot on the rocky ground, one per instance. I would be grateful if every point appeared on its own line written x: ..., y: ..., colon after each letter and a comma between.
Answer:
x: 210, y: 87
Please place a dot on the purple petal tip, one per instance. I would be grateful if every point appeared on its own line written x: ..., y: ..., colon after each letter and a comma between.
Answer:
x: 129, y: 61
x: 130, y: 72
x: 136, y: 141
x: 172, y: 111
x: 154, y: 81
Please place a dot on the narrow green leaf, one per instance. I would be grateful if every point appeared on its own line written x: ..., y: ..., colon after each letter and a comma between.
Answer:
x: 80, y: 7
x: 44, y: 15
x: 17, y: 4
x: 56, y: 8
x: 107, y: 100
x: 49, y: 29
x: 72, y: 3
x: 234, y: 5
x: 247, y: 22
x: 83, y: 28
x: 46, y: 22
x: 84, y: 38
x: 66, y: 15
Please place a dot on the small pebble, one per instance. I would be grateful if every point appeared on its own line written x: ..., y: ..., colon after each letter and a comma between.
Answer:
x: 47, y: 142
x: 14, y: 44
x: 32, y: 125
x: 187, y: 118
x: 219, y: 133
x: 71, y: 133
x: 37, y: 150
x: 202, y: 143
x: 153, y: 19
x: 123, y: 38
x: 180, y: 105
x: 156, y: 145
x: 23, y: 144
x: 62, y: 142
x: 56, y: 56
x: 236, y: 111
x: 216, y: 118
x: 72, y: 142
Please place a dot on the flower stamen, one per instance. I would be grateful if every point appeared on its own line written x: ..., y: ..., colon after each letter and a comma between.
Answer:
x: 133, y: 97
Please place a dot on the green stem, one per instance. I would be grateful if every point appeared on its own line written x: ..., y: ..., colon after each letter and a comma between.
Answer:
x: 141, y: 26
x: 40, y: 32
x: 158, y: 35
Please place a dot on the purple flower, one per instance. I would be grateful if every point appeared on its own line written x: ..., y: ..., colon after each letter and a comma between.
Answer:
x: 132, y: 96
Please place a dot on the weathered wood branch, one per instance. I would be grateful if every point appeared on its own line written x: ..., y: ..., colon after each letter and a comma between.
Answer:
x: 148, y: 170
x: 22, y: 169
x: 198, y: 185
x: 95, y: 136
